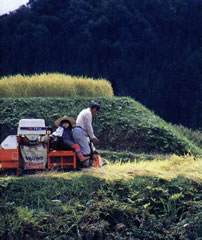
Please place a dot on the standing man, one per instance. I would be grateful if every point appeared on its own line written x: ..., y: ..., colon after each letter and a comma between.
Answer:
x: 84, y: 130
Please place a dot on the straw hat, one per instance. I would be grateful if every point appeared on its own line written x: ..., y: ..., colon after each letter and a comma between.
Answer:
x: 70, y: 119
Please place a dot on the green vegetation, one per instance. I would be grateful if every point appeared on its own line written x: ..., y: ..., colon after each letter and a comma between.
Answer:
x: 124, y: 157
x: 119, y: 202
x: 53, y: 85
x: 193, y: 135
x: 143, y: 193
x: 122, y: 124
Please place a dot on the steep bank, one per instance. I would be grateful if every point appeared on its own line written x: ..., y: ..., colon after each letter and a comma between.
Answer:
x: 122, y: 124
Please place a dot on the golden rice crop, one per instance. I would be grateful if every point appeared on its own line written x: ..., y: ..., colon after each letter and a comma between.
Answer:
x: 53, y: 85
x: 170, y: 168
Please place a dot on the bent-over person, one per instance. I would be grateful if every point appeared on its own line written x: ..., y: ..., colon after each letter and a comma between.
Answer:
x: 84, y: 130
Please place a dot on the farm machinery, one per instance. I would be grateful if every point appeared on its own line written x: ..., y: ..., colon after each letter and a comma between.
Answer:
x: 33, y: 149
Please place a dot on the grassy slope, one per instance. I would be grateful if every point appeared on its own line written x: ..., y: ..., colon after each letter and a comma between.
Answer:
x: 193, y: 135
x: 144, y: 200
x: 123, y: 124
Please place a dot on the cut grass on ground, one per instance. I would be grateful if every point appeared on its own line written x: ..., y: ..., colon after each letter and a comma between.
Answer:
x: 168, y: 169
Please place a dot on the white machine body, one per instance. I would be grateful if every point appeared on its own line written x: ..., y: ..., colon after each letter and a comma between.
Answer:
x: 10, y: 142
x: 31, y: 127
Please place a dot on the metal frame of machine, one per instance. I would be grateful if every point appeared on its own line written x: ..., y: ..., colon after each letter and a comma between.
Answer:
x: 31, y: 133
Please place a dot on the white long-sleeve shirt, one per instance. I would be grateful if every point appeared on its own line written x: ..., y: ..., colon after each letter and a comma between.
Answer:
x: 84, y: 120
x: 59, y: 131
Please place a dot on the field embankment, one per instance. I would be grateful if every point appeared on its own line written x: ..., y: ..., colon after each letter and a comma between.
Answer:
x: 122, y: 124
x: 159, y: 199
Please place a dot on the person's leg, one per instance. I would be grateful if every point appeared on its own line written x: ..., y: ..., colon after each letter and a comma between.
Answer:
x: 81, y: 138
x: 79, y: 153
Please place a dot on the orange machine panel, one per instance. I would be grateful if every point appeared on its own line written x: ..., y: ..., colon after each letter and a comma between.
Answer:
x: 96, y: 162
x: 9, y: 158
x: 62, y: 159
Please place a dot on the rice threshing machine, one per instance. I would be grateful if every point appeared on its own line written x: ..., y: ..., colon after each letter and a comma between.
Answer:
x: 33, y: 149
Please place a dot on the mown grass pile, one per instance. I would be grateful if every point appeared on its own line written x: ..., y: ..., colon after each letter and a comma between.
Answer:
x: 122, y: 124
x: 162, y: 166
x: 139, y: 204
x: 54, y: 85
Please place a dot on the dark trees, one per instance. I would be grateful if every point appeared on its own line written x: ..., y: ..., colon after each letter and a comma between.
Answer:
x: 149, y: 50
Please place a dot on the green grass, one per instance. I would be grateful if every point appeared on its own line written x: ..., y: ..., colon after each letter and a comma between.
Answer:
x: 124, y: 157
x: 122, y: 124
x: 159, y: 199
x: 193, y: 135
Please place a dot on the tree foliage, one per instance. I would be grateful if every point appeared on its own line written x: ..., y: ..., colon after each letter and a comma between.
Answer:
x: 149, y: 50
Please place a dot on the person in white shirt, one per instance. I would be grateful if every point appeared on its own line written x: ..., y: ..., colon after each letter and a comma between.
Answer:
x: 84, y: 130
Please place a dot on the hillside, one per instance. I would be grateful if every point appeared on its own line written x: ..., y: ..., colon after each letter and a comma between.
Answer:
x: 122, y: 124
x: 194, y: 136
x: 157, y: 199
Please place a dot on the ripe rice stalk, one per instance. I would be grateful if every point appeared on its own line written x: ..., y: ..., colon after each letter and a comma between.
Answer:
x: 168, y: 169
x: 53, y: 85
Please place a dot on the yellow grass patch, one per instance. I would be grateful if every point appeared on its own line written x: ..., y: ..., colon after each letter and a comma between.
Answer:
x: 53, y: 85
x: 174, y: 166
